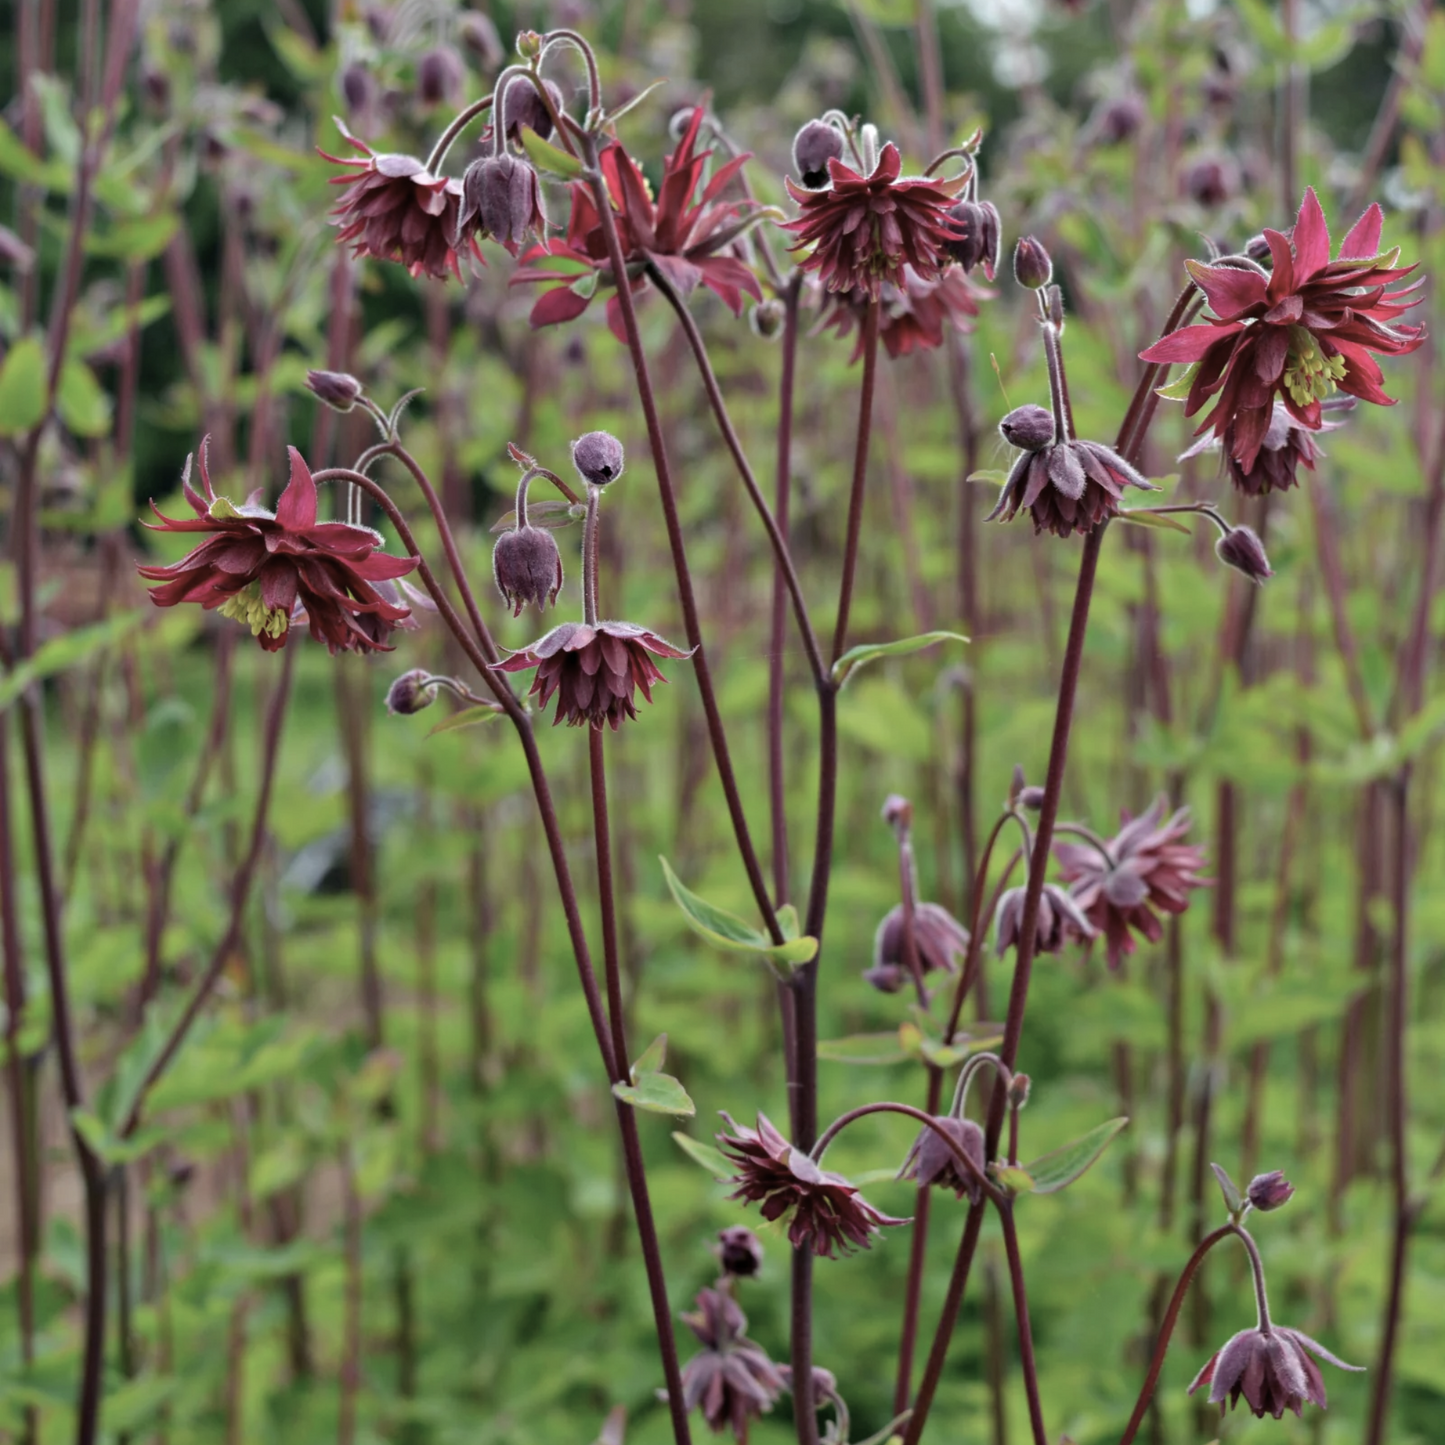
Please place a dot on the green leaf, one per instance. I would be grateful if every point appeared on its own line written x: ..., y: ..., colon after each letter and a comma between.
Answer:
x: 20, y: 163
x: 140, y: 239
x: 1233, y: 1199
x: 468, y: 717
x: 23, y: 400
x: 728, y: 932
x: 547, y: 157
x: 1057, y: 1170
x: 1179, y: 388
x: 62, y: 653
x: 652, y: 1058
x: 81, y: 401
x: 713, y: 1160
x: 1014, y: 1179
x: 866, y: 652
x: 884, y: 1048
x: 1140, y: 517
x: 987, y: 478
x: 657, y: 1094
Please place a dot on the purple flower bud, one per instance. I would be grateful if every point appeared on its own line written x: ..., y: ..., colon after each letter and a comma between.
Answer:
x: 1030, y: 428
x: 897, y: 812
x: 1211, y: 181
x: 524, y: 107
x: 598, y: 458
x: 478, y: 33
x: 1032, y: 798
x: 1241, y: 549
x: 338, y: 389
x: 1032, y: 266
x: 979, y: 244
x: 528, y: 568
x: 501, y: 199
x: 813, y: 147
x: 1119, y: 119
x: 932, y: 1162
x: 1270, y: 1191
x: 379, y: 21
x: 411, y: 692
x: 440, y: 76
x: 358, y: 89
x: 738, y: 1251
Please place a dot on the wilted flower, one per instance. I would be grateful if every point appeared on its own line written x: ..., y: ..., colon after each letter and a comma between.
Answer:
x: 813, y: 147
x: 1033, y: 266
x: 826, y: 1211
x: 1061, y: 921
x: 598, y: 457
x: 396, y: 210
x: 256, y: 566
x: 931, y: 1162
x: 595, y: 670
x: 1148, y: 867
x: 939, y: 938
x: 732, y: 1380
x: 914, y: 316
x: 863, y: 230
x: 337, y: 389
x: 501, y: 198
x: 1241, y: 549
x: 979, y: 236
x: 527, y: 568
x: 1270, y: 1191
x: 1296, y: 333
x: 1271, y: 1367
x: 739, y: 1251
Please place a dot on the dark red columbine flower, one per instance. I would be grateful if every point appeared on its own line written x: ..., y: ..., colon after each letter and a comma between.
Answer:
x: 864, y: 230
x: 1149, y: 866
x: 732, y: 1380
x: 914, y: 316
x: 1061, y: 921
x: 502, y: 198
x: 937, y: 935
x: 396, y: 210
x: 1285, y: 447
x: 595, y: 670
x: 1271, y: 1367
x: 258, y: 567
x: 1295, y: 333
x: 688, y: 235
x: 931, y: 1162
x: 827, y: 1212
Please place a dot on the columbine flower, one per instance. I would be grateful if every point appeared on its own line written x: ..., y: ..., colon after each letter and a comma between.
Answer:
x: 813, y: 147
x: 1271, y: 1367
x: 1297, y: 333
x: 595, y: 670
x: 864, y: 230
x: 732, y: 1381
x: 827, y: 1212
x: 931, y: 1162
x: 598, y: 457
x: 979, y: 236
x: 501, y: 198
x: 1148, y: 867
x: 1061, y: 921
x: 527, y: 567
x: 1065, y: 486
x: 396, y: 210
x: 1286, y: 444
x: 739, y: 1251
x: 939, y: 938
x: 1241, y: 549
x: 257, y: 567
x: 687, y: 235
x: 914, y: 316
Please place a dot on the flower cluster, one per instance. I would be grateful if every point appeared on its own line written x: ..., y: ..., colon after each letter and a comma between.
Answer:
x: 731, y: 1380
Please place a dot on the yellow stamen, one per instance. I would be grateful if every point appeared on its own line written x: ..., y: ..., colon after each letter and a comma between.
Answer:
x: 1310, y: 375
x: 247, y: 608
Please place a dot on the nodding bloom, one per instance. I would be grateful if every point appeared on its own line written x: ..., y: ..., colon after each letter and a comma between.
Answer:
x: 261, y: 568
x: 739, y: 1251
x: 1271, y: 1368
x: 732, y: 1381
x: 863, y: 230
x: 914, y: 316
x: 395, y: 210
x: 1065, y: 486
x: 1285, y: 446
x: 594, y: 669
x: 502, y: 198
x: 931, y: 1162
x: 1296, y: 333
x: 1061, y: 921
x: 1148, y: 867
x: 527, y: 567
x: 688, y: 235
x: 825, y: 1211
x: 980, y: 236
x: 939, y: 938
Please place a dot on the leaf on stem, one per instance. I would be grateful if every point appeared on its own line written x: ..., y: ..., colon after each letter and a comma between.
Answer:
x: 546, y: 513
x: 713, y: 1160
x: 1142, y: 517
x: 867, y: 652
x: 547, y: 157
x: 468, y: 717
x: 23, y: 394
x: 728, y: 932
x: 1233, y: 1199
x: 657, y: 1094
x: 1057, y: 1170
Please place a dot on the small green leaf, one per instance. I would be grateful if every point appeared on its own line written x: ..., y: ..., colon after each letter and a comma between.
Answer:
x: 550, y: 512
x: 1141, y: 517
x: 657, y: 1094
x: 81, y: 401
x: 867, y: 652
x: 468, y: 717
x: 882, y: 1048
x: 1179, y: 388
x: 1233, y: 1199
x: 547, y: 157
x: 1014, y: 1179
x: 713, y: 1160
x: 23, y: 400
x: 728, y: 932
x: 1057, y: 1170
x: 652, y: 1058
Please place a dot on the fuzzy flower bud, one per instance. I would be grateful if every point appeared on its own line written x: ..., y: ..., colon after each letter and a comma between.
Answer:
x: 525, y: 107
x: 478, y: 32
x: 598, y: 458
x: 1032, y: 266
x: 897, y: 812
x: 813, y: 147
x: 501, y: 198
x: 529, y: 44
x: 1270, y: 1191
x: 358, y: 89
x: 1032, y: 798
x: 1030, y: 428
x: 528, y: 568
x: 338, y: 389
x: 738, y: 1251
x: 1018, y: 1091
x: 411, y: 692
x: 979, y: 243
x: 1241, y: 549
x: 440, y: 76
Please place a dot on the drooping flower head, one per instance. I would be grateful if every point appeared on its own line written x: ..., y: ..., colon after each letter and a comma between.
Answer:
x: 394, y: 209
x: 931, y: 1162
x: 1148, y: 867
x: 739, y: 1251
x: 502, y: 199
x: 260, y: 567
x: 939, y: 938
x: 1286, y: 446
x: 1271, y: 1368
x: 915, y: 316
x: 1061, y: 921
x: 732, y: 1380
x: 688, y: 233
x: 1296, y: 333
x: 825, y: 1211
x: 863, y: 230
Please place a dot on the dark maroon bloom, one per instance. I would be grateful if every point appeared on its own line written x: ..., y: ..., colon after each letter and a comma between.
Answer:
x: 524, y: 106
x: 261, y: 567
x: 813, y: 147
x: 1149, y: 867
x: 931, y: 1162
x: 595, y: 670
x: 1211, y: 181
x: 1295, y: 333
x: 1270, y: 1191
x: 690, y: 236
x: 501, y: 199
x: 1066, y: 486
x: 1241, y: 549
x: 1271, y: 1367
x: 739, y: 1251
x: 1033, y: 266
x: 864, y: 230
x: 826, y: 1211
x: 937, y: 935
x: 913, y: 317
x: 1118, y: 119
x: 527, y: 568
x: 440, y: 76
x: 1285, y: 446
x: 1061, y: 921
x: 979, y: 238
x: 732, y: 1381
x: 396, y: 210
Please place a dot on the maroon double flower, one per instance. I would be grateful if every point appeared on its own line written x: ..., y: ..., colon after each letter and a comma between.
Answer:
x: 1271, y: 1368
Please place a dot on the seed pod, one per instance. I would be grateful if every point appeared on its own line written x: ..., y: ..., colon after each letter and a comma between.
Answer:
x: 1030, y: 427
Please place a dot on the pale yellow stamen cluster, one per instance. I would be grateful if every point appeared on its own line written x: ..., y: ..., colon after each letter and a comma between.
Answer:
x: 1310, y: 375
x: 247, y: 608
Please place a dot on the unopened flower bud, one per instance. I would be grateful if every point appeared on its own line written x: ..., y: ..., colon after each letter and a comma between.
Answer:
x: 598, y: 458
x: 1030, y: 427
x: 897, y: 812
x: 1018, y: 1091
x: 478, y: 33
x: 1211, y: 181
x: 440, y: 76
x: 766, y: 319
x: 338, y: 389
x: 411, y: 692
x: 525, y: 107
x: 1270, y: 1191
x: 1241, y: 549
x: 379, y: 21
x: 738, y: 1251
x: 1032, y: 266
x: 1118, y: 119
x: 932, y: 1160
x: 982, y: 232
x: 813, y: 147
x: 529, y: 44
x: 1032, y: 798
x: 1016, y: 784
x: 358, y: 89
x: 527, y: 568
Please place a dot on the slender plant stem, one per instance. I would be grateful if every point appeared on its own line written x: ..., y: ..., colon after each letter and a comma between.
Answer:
x: 917, y: 1256
x: 1021, y: 1312
x: 860, y: 475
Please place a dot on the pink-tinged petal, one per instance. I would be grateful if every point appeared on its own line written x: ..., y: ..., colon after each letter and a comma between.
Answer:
x: 1250, y: 425
x: 1281, y: 281
x: 558, y: 305
x: 725, y: 274
x: 296, y: 511
x: 1311, y: 239
x: 1363, y: 239
x: 1189, y: 343
x: 1230, y: 290
x: 381, y: 567
x: 890, y: 163
x: 1286, y: 312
